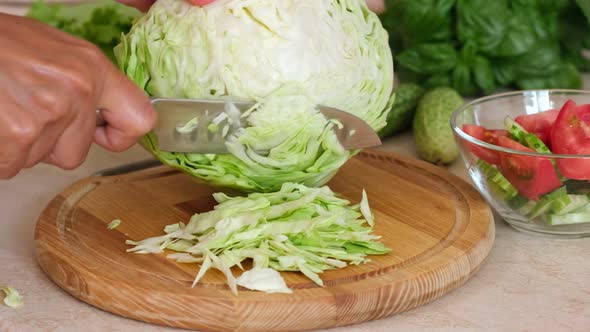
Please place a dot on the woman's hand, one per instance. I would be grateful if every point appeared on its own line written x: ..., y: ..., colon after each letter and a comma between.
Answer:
x: 144, y: 5
x: 377, y: 6
x: 51, y: 85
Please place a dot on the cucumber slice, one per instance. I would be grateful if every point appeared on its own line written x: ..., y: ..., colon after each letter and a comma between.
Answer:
x: 516, y: 131
x: 569, y: 203
x: 505, y: 188
x: 568, y: 219
x: 519, y: 201
x: 530, y: 140
x: 546, y: 202
x: 524, y: 137
x: 535, y: 143
x: 527, y: 208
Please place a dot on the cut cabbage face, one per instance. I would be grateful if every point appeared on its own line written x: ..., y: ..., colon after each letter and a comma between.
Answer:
x: 288, y: 56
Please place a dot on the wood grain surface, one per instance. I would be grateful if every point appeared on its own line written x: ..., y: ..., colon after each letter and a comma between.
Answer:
x: 439, y: 228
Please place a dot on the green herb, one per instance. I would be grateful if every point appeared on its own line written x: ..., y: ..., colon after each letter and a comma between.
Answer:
x: 100, y: 23
x: 480, y: 46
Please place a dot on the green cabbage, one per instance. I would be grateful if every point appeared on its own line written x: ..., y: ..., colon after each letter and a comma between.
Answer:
x: 286, y: 55
x: 297, y: 228
x: 12, y: 297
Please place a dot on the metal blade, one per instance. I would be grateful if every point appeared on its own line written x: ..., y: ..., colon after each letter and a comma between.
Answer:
x: 184, y: 125
x: 354, y: 132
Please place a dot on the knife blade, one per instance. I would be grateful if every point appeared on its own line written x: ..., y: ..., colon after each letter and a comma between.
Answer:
x: 203, y: 126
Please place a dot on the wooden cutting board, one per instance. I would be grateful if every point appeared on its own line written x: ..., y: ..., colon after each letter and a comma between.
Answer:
x: 439, y: 227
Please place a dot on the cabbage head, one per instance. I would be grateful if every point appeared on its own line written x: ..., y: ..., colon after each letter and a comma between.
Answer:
x: 287, y: 55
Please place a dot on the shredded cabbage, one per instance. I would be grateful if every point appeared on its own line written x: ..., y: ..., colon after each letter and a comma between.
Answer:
x: 12, y: 297
x: 288, y: 56
x: 298, y: 228
x: 114, y: 224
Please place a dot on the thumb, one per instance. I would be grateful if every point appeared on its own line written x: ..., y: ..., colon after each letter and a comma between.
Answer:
x: 141, y: 5
x: 127, y: 110
x: 200, y: 2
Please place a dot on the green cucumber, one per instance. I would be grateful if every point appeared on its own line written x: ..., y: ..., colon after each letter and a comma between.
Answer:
x: 525, y: 138
x: 535, y: 143
x: 568, y: 219
x: 505, y: 188
x: 545, y: 203
x: 527, y: 208
x: 516, y: 131
x: 569, y: 203
x: 407, y: 96
x: 529, y: 140
x: 519, y: 201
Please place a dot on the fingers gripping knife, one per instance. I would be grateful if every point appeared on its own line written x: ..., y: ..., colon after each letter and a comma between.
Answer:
x: 202, y: 126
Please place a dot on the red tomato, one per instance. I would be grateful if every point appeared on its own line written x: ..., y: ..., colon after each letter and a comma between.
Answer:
x: 570, y: 135
x: 488, y: 136
x: 539, y: 124
x: 532, y: 176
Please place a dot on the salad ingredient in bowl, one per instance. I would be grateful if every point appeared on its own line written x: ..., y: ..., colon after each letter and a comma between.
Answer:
x: 535, y: 168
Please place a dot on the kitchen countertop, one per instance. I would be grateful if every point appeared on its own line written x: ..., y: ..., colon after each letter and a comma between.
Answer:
x: 528, y: 283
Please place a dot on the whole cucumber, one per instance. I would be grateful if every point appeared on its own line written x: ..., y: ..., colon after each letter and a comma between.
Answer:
x: 400, y: 117
x: 433, y: 134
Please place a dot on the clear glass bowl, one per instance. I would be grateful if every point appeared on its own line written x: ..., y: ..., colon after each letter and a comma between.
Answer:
x: 490, y: 112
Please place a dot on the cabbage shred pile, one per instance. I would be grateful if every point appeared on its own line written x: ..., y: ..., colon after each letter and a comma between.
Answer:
x: 298, y: 228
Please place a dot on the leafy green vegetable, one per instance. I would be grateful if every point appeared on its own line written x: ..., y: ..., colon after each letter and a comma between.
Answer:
x: 114, y: 224
x: 288, y: 56
x: 101, y: 22
x: 511, y: 44
x: 418, y: 21
x: 12, y: 297
x: 482, y: 22
x: 429, y: 58
x: 295, y: 229
x: 585, y: 6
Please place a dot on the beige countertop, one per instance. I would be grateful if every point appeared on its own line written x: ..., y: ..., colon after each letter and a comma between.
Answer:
x: 528, y: 283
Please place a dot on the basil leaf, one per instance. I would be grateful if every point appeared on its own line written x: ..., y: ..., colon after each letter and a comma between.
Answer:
x: 462, y: 80
x: 503, y: 72
x: 482, y: 22
x: 567, y: 77
x: 519, y: 38
x: 541, y: 61
x: 438, y: 80
x: 429, y: 58
x: 483, y: 74
x: 419, y: 21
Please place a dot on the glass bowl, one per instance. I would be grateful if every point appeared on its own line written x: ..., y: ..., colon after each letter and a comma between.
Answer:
x: 527, y: 189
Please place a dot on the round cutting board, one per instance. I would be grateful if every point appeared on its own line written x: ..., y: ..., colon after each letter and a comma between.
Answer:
x: 439, y: 229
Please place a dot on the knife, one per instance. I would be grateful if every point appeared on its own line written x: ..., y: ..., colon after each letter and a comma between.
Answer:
x: 202, y: 126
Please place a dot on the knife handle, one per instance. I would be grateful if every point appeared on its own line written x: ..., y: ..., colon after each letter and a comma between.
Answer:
x: 100, y: 121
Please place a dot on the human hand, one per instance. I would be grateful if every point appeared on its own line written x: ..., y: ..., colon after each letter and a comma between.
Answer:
x: 51, y: 85
x: 378, y: 6
x: 144, y: 5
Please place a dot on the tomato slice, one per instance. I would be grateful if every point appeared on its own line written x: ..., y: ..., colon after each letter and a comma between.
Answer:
x: 532, y: 176
x: 571, y: 135
x: 539, y: 124
x: 488, y: 136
